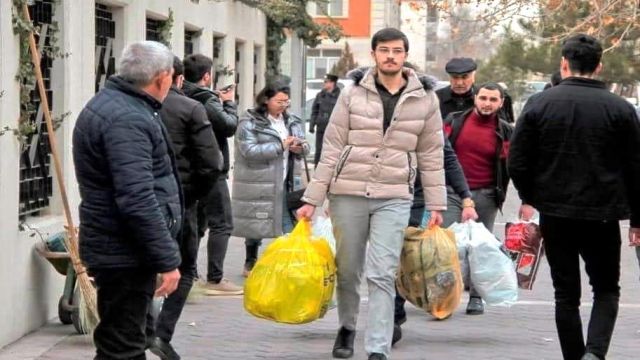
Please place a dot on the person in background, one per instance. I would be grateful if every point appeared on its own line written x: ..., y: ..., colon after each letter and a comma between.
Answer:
x: 214, y: 210
x: 268, y: 142
x: 199, y: 161
x: 321, y: 111
x: 575, y: 157
x: 131, y: 203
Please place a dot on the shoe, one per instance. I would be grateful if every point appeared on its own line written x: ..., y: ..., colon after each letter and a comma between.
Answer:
x: 343, y: 347
x: 590, y: 356
x: 475, y: 306
x: 224, y: 287
x: 377, y: 356
x: 397, y: 334
x: 163, y: 350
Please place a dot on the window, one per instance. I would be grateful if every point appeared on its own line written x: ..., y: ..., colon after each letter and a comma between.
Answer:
x: 105, y: 35
x: 334, y: 8
x: 189, y: 39
x: 35, y: 177
x: 153, y: 29
x: 321, y: 61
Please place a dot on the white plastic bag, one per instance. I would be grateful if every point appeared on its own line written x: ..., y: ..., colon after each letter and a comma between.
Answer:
x: 462, y: 233
x: 491, y: 269
x: 322, y: 228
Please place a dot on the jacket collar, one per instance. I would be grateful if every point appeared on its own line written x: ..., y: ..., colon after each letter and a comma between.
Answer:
x: 116, y: 82
x: 447, y: 94
x: 174, y: 89
x: 367, y: 80
x: 582, y: 81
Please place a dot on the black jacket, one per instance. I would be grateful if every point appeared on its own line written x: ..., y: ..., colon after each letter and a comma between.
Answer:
x: 576, y: 153
x: 322, y: 107
x: 450, y: 103
x: 198, y: 156
x: 452, y: 126
x: 131, y: 208
x: 223, y: 116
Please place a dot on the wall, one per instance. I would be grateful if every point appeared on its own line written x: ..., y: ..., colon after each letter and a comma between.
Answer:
x: 30, y: 287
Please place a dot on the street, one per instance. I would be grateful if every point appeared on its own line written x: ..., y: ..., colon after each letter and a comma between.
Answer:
x: 219, y: 328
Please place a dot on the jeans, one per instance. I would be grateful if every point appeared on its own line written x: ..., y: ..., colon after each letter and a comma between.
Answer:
x: 598, y: 244
x: 214, y: 212
x: 288, y: 222
x: 380, y: 224
x: 173, y: 305
x: 124, y: 298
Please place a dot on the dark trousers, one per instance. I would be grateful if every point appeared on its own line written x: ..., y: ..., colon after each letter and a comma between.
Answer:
x: 214, y: 212
x: 173, y: 305
x: 598, y: 243
x: 319, y: 139
x: 124, y: 298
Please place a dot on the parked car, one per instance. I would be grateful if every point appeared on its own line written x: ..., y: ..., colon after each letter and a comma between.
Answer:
x: 315, y: 85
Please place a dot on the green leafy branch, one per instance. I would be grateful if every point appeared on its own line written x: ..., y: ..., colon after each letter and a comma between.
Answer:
x: 164, y: 29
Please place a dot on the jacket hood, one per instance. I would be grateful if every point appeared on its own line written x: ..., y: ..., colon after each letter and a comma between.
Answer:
x: 118, y: 83
x: 428, y: 82
x: 288, y: 118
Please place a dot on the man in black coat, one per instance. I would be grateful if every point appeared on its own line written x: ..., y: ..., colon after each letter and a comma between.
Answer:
x: 214, y: 211
x: 199, y: 161
x: 321, y: 111
x: 131, y: 204
x: 575, y: 156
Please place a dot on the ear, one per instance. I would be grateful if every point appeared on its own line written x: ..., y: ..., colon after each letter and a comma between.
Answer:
x: 598, y: 69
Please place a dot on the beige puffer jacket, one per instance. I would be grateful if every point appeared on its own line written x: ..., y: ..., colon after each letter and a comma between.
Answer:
x: 359, y: 159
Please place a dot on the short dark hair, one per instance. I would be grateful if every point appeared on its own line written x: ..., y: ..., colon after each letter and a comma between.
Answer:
x: 556, y: 77
x: 583, y: 52
x: 178, y: 68
x: 195, y: 66
x: 269, y: 91
x: 389, y: 34
x: 492, y: 86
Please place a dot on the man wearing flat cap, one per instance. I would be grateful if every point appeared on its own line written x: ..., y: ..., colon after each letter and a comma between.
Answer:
x: 459, y: 96
x: 321, y: 111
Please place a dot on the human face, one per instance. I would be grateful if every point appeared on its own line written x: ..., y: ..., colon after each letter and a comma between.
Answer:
x: 328, y: 85
x: 278, y: 104
x: 462, y: 83
x: 389, y: 57
x: 488, y: 102
x: 159, y: 86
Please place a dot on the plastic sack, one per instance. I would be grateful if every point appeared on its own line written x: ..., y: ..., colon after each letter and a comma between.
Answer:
x: 462, y: 235
x: 524, y: 242
x: 293, y: 281
x: 492, y: 272
x: 323, y: 229
x: 429, y: 274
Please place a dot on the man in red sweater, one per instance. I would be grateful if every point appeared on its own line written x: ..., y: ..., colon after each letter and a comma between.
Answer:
x: 480, y: 138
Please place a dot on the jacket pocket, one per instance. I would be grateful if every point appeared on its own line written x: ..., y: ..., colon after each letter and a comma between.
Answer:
x: 343, y: 160
x: 173, y: 219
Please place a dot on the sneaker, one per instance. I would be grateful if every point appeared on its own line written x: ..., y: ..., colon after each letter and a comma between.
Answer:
x: 590, y: 356
x: 475, y: 306
x: 163, y: 349
x: 224, y: 287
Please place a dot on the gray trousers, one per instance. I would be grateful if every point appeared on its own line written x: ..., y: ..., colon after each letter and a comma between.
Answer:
x: 486, y: 208
x: 380, y: 223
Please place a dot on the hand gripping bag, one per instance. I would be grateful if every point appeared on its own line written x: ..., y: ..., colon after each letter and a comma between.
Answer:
x: 293, y: 281
x: 429, y: 274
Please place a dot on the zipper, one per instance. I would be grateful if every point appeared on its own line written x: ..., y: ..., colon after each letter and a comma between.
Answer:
x: 342, y: 161
x: 411, y: 173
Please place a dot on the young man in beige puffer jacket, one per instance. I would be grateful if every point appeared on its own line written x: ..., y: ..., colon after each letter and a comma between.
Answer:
x: 382, y: 130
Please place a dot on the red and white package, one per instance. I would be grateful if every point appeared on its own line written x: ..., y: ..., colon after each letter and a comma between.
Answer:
x: 524, y: 242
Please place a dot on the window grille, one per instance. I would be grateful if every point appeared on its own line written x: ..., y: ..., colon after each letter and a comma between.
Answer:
x: 35, y: 178
x: 105, y: 36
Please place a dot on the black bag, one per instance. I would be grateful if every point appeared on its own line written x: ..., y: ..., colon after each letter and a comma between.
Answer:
x: 294, y: 201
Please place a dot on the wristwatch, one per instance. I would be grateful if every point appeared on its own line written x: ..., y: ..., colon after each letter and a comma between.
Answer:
x: 467, y: 202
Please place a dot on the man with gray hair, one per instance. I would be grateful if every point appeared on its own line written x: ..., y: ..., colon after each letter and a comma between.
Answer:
x: 131, y: 204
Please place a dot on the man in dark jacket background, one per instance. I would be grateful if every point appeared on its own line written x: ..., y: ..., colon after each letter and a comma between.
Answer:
x: 321, y: 111
x: 131, y: 205
x: 198, y: 161
x: 575, y: 156
x: 214, y: 211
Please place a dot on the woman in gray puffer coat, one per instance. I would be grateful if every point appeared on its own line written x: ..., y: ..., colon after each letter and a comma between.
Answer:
x: 267, y: 143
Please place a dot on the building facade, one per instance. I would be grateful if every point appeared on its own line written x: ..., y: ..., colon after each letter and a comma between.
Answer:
x: 92, y: 34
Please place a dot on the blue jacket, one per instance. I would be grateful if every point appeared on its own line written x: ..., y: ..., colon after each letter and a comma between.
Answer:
x: 131, y: 208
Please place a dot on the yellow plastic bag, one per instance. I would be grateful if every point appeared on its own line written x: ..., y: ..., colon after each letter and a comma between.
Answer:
x: 429, y: 275
x: 294, y: 279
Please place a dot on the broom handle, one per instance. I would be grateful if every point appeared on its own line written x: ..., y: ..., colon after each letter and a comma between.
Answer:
x: 35, y: 58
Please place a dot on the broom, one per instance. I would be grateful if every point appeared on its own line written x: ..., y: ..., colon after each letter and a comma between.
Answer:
x: 88, y: 308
